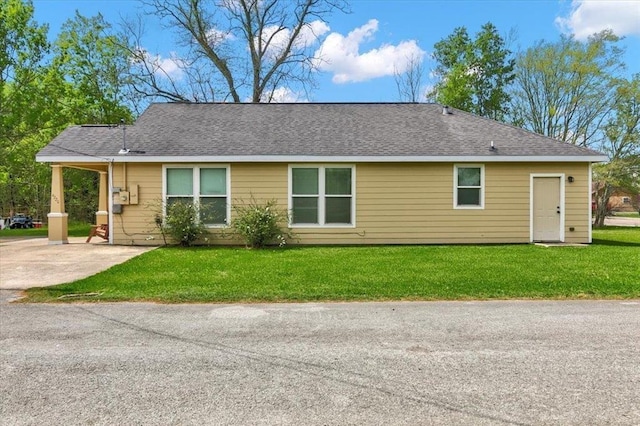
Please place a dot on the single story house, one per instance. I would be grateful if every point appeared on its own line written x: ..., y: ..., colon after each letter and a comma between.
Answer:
x: 348, y: 173
x: 623, y: 200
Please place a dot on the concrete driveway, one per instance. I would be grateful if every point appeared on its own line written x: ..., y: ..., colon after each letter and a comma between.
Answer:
x: 432, y: 363
x: 26, y: 263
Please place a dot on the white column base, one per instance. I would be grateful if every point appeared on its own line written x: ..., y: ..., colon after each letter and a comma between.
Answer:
x: 58, y: 228
x: 102, y: 217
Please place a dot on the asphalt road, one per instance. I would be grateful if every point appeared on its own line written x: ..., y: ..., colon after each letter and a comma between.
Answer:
x: 474, y: 363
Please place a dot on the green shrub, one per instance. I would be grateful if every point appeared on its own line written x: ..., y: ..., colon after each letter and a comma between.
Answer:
x: 182, y: 223
x: 260, y: 224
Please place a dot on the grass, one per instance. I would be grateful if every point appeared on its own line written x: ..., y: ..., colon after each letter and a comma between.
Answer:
x: 609, y: 268
x: 75, y: 230
x: 627, y: 214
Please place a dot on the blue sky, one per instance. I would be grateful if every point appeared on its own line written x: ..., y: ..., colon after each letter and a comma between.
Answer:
x: 367, y: 44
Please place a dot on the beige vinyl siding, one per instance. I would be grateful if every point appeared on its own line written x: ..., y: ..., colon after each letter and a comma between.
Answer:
x: 413, y: 203
x: 263, y: 181
x: 395, y: 203
x: 577, y: 205
x: 136, y: 223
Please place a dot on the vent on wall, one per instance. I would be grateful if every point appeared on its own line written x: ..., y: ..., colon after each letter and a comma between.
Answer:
x: 124, y: 149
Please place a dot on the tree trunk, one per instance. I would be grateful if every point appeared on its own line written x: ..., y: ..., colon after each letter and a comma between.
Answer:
x: 603, y: 193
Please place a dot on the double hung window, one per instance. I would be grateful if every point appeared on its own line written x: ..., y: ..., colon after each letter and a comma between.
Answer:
x: 321, y: 195
x: 206, y: 187
x: 468, y: 191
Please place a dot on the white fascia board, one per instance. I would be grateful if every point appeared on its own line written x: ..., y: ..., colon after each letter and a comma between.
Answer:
x: 325, y: 159
x: 72, y: 159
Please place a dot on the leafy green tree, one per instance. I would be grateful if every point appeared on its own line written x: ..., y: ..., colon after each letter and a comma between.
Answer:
x: 28, y: 187
x: 93, y: 62
x: 23, y: 48
x: 42, y: 92
x: 566, y: 90
x: 474, y: 74
x: 622, y: 145
x: 89, y: 70
x: 24, y: 45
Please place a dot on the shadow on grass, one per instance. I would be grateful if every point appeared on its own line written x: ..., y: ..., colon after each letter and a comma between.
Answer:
x: 614, y: 243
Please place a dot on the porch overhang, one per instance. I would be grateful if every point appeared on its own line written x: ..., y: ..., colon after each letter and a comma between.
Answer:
x: 58, y: 228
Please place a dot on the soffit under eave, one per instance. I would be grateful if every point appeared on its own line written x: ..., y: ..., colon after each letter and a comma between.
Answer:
x: 84, y: 166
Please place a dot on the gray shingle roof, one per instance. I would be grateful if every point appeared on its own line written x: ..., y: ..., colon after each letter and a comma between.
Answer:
x: 255, y: 132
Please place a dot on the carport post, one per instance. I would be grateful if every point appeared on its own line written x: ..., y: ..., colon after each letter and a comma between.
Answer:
x: 57, y: 218
x: 102, y: 215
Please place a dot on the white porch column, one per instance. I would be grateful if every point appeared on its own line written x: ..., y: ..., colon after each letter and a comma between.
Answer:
x: 58, y: 220
x: 102, y: 215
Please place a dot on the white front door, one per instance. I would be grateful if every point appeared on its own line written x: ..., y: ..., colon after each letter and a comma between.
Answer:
x: 547, y: 210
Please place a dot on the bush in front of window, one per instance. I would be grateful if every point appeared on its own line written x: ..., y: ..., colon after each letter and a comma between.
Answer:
x: 182, y: 223
x: 260, y: 225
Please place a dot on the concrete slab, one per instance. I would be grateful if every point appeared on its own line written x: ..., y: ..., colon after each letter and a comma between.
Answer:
x: 547, y: 245
x: 26, y: 263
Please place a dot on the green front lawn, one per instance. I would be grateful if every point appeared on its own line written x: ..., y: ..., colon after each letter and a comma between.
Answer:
x: 627, y: 214
x: 609, y: 268
x: 75, y: 230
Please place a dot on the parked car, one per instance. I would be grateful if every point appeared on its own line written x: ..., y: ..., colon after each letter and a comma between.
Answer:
x: 20, y: 221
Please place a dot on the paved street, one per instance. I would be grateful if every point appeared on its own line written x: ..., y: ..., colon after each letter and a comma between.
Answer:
x: 515, y: 362
x: 622, y: 221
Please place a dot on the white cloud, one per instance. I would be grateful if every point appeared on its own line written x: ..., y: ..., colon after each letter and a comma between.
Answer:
x: 215, y: 36
x: 589, y: 17
x: 170, y: 68
x: 279, y: 37
x: 341, y: 56
x: 284, y: 95
x: 311, y: 32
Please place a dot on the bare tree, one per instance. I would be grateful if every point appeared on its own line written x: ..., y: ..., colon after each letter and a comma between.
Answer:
x: 236, y: 50
x: 409, y: 82
x: 565, y: 90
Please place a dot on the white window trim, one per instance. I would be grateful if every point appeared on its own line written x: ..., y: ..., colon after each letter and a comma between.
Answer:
x: 196, y: 186
x: 455, y: 187
x: 322, y: 196
x: 589, y: 200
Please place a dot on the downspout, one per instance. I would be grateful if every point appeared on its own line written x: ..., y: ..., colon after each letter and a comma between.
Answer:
x: 589, y: 189
x: 110, y: 201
